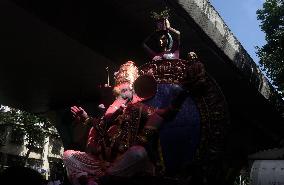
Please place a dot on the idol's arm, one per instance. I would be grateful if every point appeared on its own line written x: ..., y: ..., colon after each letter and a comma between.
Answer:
x: 156, y: 119
x: 172, y: 30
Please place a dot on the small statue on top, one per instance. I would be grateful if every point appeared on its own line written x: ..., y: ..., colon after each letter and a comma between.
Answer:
x: 164, y: 42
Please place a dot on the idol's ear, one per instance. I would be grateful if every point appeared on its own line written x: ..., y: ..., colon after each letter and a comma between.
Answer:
x: 145, y: 86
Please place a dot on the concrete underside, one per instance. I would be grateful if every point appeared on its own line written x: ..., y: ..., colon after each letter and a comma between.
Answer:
x: 54, y: 54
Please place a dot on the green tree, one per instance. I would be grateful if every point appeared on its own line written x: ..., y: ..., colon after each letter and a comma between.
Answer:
x: 34, y: 127
x: 272, y: 53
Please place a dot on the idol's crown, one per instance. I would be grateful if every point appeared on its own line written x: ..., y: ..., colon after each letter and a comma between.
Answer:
x: 164, y: 14
x: 127, y: 73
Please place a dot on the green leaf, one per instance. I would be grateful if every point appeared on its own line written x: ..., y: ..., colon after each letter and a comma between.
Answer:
x: 271, y: 54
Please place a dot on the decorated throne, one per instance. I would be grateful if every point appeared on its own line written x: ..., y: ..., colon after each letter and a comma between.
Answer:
x: 192, y: 143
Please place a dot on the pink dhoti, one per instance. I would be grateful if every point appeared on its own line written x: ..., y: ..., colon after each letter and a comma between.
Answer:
x: 80, y: 164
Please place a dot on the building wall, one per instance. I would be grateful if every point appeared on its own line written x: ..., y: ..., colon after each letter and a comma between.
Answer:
x: 52, y: 149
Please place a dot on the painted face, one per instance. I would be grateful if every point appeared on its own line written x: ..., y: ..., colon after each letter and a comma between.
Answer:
x: 163, y: 41
x: 124, y: 91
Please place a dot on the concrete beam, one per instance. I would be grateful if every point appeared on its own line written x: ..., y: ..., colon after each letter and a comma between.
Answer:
x: 208, y: 19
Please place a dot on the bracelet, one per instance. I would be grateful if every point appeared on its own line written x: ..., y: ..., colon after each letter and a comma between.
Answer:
x: 123, y: 105
x: 115, y: 107
x: 87, y: 121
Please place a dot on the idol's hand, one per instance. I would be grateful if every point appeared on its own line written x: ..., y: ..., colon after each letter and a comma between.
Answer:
x: 168, y: 25
x: 116, y: 107
x: 118, y: 103
x: 79, y: 114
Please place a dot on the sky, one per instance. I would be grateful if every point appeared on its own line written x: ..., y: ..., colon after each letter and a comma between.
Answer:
x: 240, y: 16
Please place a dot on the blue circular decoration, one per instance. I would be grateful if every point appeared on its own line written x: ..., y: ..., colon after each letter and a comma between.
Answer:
x: 179, y: 137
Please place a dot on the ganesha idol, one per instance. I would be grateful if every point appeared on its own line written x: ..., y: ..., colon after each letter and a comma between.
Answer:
x: 168, y: 115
